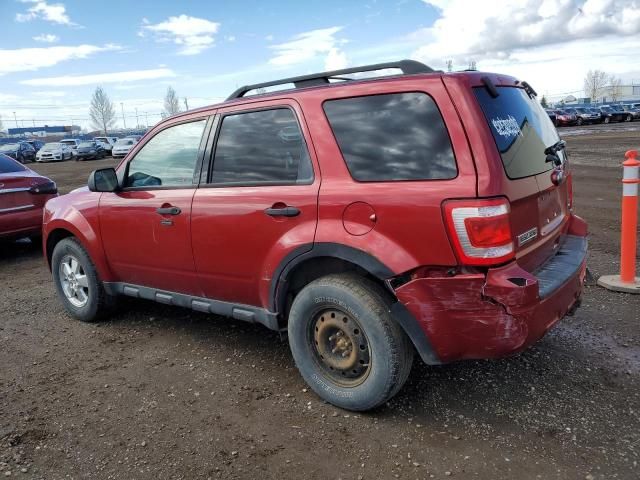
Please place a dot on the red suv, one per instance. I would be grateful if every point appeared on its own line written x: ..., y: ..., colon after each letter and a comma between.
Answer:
x: 372, y: 218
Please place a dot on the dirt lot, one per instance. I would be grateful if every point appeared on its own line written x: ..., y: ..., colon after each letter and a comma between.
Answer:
x: 162, y: 392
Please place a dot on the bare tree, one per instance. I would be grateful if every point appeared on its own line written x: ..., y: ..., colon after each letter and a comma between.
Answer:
x: 449, y: 65
x: 171, y: 102
x: 615, y: 87
x: 594, y: 84
x: 102, y: 114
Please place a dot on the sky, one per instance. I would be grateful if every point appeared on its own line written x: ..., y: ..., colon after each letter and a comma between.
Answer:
x: 53, y: 53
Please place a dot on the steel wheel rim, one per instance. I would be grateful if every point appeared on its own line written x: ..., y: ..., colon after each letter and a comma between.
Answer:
x: 74, y: 281
x: 340, y: 347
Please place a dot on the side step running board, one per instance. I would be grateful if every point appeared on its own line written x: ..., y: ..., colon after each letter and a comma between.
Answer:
x: 245, y: 313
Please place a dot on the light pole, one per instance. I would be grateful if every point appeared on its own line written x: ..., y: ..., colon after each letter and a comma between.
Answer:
x: 146, y: 120
x: 137, y: 122
x: 123, y: 119
x: 15, y: 118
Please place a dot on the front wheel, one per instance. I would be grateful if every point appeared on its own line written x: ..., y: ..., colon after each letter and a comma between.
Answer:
x: 579, y: 122
x: 77, y: 283
x: 628, y: 118
x: 607, y: 120
x: 345, y: 343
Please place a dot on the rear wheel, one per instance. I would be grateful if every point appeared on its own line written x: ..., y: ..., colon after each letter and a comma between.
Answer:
x: 628, y: 118
x: 77, y: 282
x: 580, y: 121
x: 345, y: 343
x: 607, y: 120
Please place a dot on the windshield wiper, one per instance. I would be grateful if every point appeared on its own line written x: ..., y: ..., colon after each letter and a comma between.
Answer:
x: 552, y: 152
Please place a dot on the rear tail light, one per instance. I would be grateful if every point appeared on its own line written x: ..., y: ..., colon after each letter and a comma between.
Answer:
x: 480, y: 230
x: 47, y: 187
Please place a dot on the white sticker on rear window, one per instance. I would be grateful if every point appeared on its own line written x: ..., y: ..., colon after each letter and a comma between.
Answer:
x: 507, y: 127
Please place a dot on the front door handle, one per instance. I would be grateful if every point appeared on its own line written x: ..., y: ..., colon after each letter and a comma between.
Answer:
x: 168, y: 211
x: 283, y: 212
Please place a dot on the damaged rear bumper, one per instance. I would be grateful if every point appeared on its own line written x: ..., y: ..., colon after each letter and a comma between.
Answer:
x: 494, y: 314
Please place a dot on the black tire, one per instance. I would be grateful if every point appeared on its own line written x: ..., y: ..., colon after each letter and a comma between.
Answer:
x: 628, y: 118
x: 580, y: 121
x: 607, y: 120
x: 370, y: 326
x: 98, y: 302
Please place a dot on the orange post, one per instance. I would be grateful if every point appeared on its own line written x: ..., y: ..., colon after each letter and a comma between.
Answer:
x: 627, y: 280
x: 629, y: 229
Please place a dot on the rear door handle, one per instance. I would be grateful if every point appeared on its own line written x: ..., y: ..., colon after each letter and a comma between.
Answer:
x: 283, y: 212
x: 168, y: 211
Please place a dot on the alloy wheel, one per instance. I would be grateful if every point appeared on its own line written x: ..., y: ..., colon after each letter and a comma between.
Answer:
x: 74, y: 281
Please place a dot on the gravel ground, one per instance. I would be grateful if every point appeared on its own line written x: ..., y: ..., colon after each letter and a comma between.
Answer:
x: 160, y: 392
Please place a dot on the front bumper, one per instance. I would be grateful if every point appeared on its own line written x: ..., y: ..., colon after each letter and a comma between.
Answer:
x: 472, y: 316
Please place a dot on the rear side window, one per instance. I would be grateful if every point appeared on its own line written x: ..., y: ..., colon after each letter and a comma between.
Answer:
x: 392, y: 137
x: 7, y: 165
x: 262, y: 147
x: 521, y: 128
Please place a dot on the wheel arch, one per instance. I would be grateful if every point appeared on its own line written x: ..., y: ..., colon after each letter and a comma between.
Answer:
x: 58, y: 230
x: 305, y: 264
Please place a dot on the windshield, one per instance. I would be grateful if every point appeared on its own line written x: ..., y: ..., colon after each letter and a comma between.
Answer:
x: 87, y: 144
x: 51, y: 146
x: 68, y: 142
x: 9, y: 147
x: 124, y: 142
x: 521, y: 129
x: 581, y: 110
x: 605, y: 109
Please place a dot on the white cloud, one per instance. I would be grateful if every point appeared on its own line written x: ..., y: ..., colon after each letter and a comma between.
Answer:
x: 46, y: 38
x: 192, y: 34
x: 100, y: 78
x: 335, y: 60
x: 269, y: 38
x: 550, y: 43
x: 495, y: 29
x: 25, y: 59
x: 306, y: 46
x: 49, y: 12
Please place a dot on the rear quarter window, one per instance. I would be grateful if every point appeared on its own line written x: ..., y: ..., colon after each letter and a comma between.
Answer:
x: 8, y: 165
x: 392, y: 137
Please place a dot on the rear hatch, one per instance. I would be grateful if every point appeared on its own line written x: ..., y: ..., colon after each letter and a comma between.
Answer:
x: 539, y: 192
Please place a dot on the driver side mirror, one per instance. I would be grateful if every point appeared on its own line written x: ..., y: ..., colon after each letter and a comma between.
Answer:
x: 103, y: 180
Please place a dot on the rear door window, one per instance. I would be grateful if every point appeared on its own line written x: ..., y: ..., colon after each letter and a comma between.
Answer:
x: 264, y: 147
x: 392, y: 137
x: 521, y: 128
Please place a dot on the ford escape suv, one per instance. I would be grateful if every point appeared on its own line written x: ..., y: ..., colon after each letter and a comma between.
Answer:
x: 369, y: 218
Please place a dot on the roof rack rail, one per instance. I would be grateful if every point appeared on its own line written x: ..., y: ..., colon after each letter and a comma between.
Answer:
x: 408, y: 67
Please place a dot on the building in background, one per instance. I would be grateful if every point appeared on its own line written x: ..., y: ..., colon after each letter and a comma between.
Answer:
x: 44, y: 131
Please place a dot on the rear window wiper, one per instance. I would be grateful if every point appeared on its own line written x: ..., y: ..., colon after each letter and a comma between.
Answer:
x: 552, y: 152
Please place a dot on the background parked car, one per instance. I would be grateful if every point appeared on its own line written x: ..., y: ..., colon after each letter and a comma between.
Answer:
x: 54, y: 152
x: 36, y: 144
x: 23, y: 194
x: 90, y: 149
x: 122, y: 147
x: 73, y: 143
x: 618, y: 114
x: 584, y: 115
x: 634, y: 111
x: 20, y: 151
x: 564, y: 118
x: 553, y: 117
x: 107, y: 142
